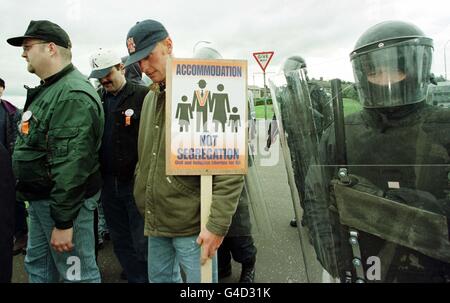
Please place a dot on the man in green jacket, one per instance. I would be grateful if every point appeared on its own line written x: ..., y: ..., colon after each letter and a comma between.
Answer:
x: 171, y: 204
x: 55, y: 159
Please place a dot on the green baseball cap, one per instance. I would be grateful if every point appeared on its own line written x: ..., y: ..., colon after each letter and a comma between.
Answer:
x: 142, y: 39
x: 44, y: 30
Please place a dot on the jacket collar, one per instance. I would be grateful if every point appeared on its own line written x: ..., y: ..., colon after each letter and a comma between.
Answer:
x: 10, y: 109
x: 126, y: 91
x: 158, y: 87
x: 52, y: 79
x: 33, y: 92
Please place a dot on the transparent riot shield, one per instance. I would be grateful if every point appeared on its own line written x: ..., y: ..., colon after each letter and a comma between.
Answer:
x: 252, y: 204
x: 253, y: 186
x: 389, y: 193
x: 252, y: 216
x: 397, y: 234
x: 299, y: 136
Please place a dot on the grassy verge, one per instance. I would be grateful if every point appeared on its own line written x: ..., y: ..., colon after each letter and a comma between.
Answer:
x: 350, y: 106
x: 260, y: 112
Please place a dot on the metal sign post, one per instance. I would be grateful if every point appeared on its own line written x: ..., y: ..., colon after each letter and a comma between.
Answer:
x: 263, y: 59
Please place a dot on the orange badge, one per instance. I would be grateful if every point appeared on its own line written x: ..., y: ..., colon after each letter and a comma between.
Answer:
x: 128, y: 114
x: 25, y: 129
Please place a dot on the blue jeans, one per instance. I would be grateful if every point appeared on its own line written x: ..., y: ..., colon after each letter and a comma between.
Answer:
x: 126, y: 228
x: 44, y: 264
x: 165, y: 255
x: 102, y: 227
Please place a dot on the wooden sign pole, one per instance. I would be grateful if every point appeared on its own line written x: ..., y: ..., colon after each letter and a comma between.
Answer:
x: 205, y: 207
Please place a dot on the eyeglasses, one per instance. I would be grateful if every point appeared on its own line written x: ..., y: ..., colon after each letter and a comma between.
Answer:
x: 29, y: 46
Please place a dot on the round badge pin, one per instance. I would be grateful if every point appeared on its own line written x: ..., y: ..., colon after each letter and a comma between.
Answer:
x: 129, y: 112
x: 27, y: 116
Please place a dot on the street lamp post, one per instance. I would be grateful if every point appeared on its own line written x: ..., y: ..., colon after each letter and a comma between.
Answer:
x: 445, y: 59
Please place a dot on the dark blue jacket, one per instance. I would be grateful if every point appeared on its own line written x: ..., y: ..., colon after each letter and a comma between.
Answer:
x: 124, y: 137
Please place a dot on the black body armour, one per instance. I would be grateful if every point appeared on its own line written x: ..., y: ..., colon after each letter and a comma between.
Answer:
x: 407, y: 151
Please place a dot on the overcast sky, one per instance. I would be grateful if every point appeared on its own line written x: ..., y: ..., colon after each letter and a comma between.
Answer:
x: 323, y: 32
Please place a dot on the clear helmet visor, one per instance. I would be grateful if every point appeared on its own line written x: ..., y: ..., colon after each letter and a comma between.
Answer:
x: 393, y: 76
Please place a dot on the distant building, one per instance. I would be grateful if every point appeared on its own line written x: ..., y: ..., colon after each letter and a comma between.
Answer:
x: 256, y: 90
x: 439, y: 95
x: 322, y: 83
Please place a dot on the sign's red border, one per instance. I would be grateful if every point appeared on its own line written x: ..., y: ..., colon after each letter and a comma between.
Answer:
x: 268, y: 61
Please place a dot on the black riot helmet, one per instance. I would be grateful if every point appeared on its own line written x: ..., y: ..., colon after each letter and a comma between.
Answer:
x: 291, y: 66
x: 391, y: 64
x: 293, y: 63
x: 207, y: 53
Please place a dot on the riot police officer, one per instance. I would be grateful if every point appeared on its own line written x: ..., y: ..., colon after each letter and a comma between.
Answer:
x: 398, y: 156
x: 319, y: 105
x: 320, y: 102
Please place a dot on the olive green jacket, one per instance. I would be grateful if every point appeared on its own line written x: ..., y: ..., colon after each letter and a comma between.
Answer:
x: 171, y: 204
x: 58, y: 158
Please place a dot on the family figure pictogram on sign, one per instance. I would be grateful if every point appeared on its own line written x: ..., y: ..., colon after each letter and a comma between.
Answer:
x: 219, y: 105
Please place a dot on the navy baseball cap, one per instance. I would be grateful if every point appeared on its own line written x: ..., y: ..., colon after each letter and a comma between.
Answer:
x: 142, y: 39
x: 44, y: 30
